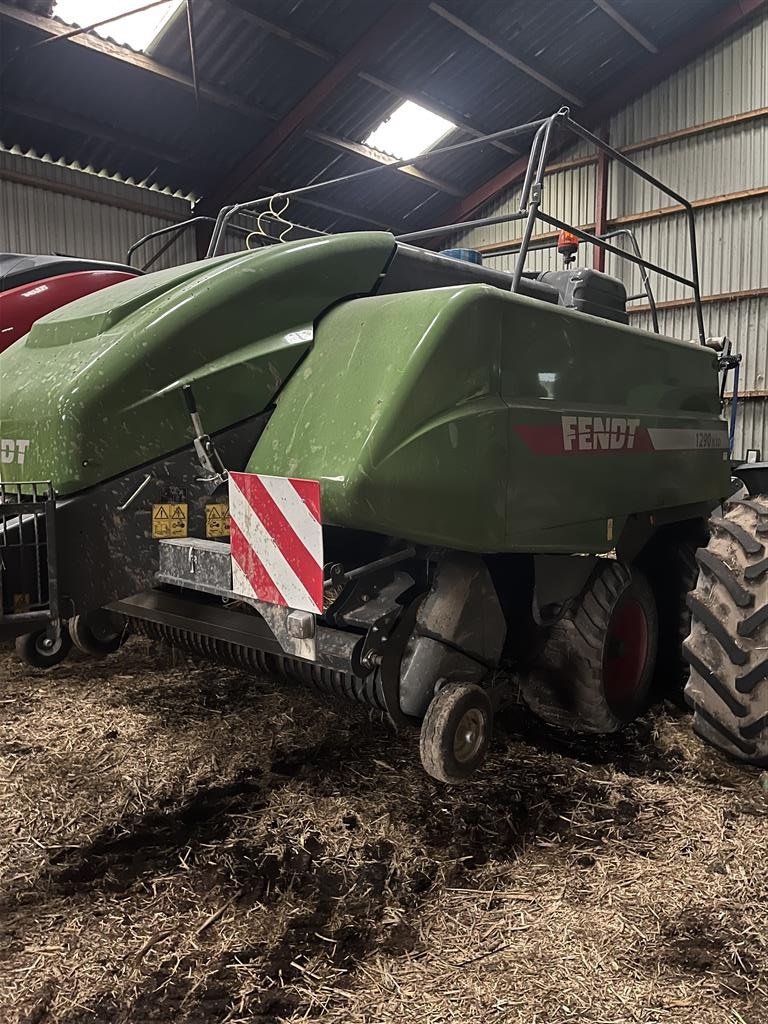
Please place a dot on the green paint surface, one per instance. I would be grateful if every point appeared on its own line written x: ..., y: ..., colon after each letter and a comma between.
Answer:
x: 409, y: 410
x: 435, y: 416
x: 95, y: 385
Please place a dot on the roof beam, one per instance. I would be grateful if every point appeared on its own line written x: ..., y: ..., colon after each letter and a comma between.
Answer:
x: 632, y: 30
x: 70, y: 33
x: 367, y: 153
x: 282, y: 32
x: 652, y: 71
x: 127, y: 56
x: 86, y: 126
x: 389, y: 26
x: 473, y: 33
x: 342, y: 211
x: 216, y: 96
x: 416, y: 95
x: 425, y: 100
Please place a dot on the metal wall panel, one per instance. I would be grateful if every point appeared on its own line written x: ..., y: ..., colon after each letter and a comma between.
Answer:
x: 38, y: 219
x: 732, y: 237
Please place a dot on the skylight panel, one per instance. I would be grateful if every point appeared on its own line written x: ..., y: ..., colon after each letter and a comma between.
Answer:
x: 136, y: 31
x: 408, y: 131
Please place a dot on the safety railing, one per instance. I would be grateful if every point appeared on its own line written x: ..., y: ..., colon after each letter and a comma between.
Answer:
x: 529, y: 209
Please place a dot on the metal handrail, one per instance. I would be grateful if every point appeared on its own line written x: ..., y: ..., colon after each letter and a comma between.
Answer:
x: 529, y: 210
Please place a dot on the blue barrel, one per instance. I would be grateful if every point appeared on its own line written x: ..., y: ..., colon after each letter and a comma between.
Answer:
x: 468, y: 255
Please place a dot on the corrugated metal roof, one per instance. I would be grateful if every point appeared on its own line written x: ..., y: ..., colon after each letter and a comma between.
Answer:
x: 112, y: 107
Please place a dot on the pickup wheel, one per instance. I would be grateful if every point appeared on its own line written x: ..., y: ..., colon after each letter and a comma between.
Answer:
x: 455, y: 732
x: 43, y: 650
x: 98, y: 633
x: 728, y: 644
x: 595, y: 668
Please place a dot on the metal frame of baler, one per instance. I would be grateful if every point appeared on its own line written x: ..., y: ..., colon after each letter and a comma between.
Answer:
x: 529, y: 208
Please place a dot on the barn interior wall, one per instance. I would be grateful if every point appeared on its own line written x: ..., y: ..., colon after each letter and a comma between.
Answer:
x: 727, y: 165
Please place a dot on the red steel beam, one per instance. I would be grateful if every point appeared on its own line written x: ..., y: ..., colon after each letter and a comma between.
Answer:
x: 601, y: 207
x: 395, y: 22
x: 653, y: 70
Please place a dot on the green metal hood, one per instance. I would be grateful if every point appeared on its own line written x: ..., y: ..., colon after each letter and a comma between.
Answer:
x: 94, y: 388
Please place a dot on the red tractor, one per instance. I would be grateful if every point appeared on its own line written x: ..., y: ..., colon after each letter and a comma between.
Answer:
x: 31, y: 286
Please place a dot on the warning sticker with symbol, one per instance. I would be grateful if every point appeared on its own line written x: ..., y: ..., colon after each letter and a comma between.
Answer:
x: 217, y: 520
x: 170, y: 520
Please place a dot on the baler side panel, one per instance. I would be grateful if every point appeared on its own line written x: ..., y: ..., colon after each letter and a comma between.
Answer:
x: 94, y: 388
x: 397, y: 411
x: 417, y: 413
x: 581, y: 374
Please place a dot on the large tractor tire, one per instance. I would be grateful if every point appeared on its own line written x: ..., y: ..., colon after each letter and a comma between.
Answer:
x: 669, y: 564
x: 595, y: 669
x: 728, y: 645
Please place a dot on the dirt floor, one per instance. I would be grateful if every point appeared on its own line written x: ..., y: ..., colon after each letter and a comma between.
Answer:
x: 182, y: 843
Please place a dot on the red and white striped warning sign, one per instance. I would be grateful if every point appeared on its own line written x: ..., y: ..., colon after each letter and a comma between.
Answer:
x: 276, y: 540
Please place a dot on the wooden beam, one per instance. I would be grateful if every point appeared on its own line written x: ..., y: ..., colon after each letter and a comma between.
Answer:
x: 653, y: 70
x: 78, y: 30
x: 217, y: 96
x: 127, y: 56
x: 732, y: 120
x: 281, y: 31
x: 342, y: 211
x: 423, y: 99
x: 748, y: 396
x: 697, y: 204
x: 47, y: 114
x: 627, y: 26
x: 415, y: 95
x: 374, y: 156
x: 489, y: 44
x: 389, y: 26
x: 635, y: 218
x: 741, y: 296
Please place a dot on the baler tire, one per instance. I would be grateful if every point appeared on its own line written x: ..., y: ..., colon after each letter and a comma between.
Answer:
x: 568, y: 684
x: 95, y: 635
x: 456, y: 707
x: 727, y: 648
x: 32, y: 650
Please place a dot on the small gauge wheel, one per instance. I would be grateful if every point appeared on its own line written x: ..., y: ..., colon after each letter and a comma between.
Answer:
x: 44, y: 649
x: 97, y: 633
x: 456, y: 732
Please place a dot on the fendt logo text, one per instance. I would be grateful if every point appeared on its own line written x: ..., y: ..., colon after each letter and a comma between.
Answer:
x: 598, y: 433
x: 13, y: 450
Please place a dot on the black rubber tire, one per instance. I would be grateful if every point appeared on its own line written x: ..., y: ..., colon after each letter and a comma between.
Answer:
x: 31, y: 648
x: 669, y: 564
x: 728, y: 645
x: 568, y: 683
x: 441, y: 727
x: 97, y: 633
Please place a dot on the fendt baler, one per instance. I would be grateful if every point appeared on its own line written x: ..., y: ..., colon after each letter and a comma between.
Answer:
x: 400, y: 477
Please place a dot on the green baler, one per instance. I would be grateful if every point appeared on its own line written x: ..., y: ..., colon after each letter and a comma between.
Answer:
x: 438, y: 475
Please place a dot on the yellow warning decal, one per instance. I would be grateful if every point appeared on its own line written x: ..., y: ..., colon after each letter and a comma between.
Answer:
x: 21, y: 602
x: 217, y: 520
x: 170, y: 520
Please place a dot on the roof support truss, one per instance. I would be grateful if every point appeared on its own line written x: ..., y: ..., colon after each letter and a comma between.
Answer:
x: 626, y: 25
x: 393, y: 23
x: 500, y: 51
x: 653, y: 70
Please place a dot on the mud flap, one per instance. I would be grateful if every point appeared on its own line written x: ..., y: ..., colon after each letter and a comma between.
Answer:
x: 458, y: 634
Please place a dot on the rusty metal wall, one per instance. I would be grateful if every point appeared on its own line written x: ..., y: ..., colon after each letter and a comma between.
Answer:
x: 39, y: 213
x: 728, y: 80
